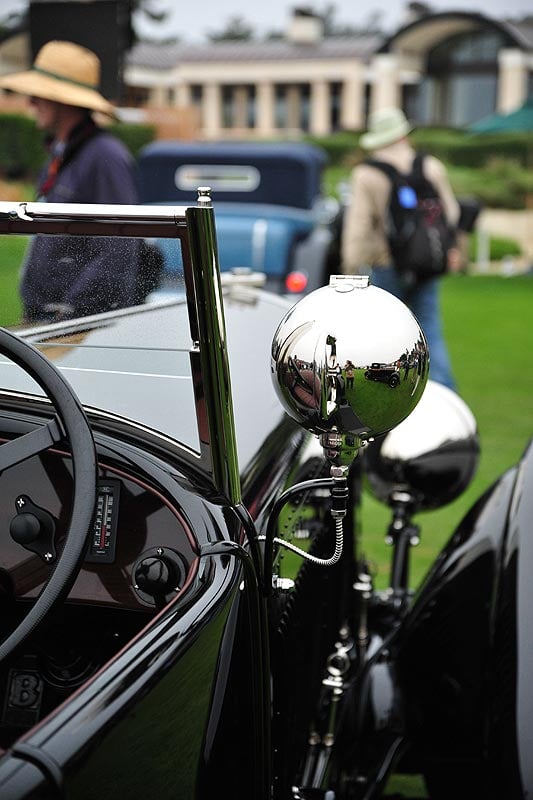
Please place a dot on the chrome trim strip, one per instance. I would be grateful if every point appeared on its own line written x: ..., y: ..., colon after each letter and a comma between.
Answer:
x: 209, y: 361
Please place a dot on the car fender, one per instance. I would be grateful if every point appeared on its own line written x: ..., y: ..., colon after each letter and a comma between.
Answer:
x: 445, y: 646
x: 513, y: 709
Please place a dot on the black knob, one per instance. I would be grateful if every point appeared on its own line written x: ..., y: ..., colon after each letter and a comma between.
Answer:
x: 154, y: 576
x: 25, y: 528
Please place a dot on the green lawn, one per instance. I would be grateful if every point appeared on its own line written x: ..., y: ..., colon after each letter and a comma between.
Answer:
x: 490, y: 337
x: 11, y: 255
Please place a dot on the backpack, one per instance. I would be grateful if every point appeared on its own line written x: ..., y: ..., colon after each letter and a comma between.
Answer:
x: 418, y: 232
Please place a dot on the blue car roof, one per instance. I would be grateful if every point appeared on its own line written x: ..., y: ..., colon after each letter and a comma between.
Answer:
x: 288, y: 174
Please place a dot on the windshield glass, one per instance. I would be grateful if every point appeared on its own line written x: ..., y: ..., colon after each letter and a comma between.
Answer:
x: 123, y: 342
x: 155, y: 350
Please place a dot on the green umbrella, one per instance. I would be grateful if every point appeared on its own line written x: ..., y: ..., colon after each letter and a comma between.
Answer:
x: 519, y: 120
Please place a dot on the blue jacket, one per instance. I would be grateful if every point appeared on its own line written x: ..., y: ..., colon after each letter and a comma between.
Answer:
x: 85, y: 275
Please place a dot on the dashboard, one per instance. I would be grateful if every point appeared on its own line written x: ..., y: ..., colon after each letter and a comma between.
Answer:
x: 142, y: 549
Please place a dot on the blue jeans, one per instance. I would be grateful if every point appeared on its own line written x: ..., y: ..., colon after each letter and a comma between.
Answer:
x: 423, y: 301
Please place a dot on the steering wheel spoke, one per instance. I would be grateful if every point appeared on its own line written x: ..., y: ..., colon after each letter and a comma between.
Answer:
x: 68, y: 424
x: 30, y: 444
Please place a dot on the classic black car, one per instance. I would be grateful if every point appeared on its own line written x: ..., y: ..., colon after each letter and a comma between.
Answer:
x: 156, y: 465
x: 383, y: 373
x: 272, y: 215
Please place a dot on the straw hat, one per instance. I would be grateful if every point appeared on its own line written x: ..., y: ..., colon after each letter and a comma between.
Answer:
x: 385, y: 127
x: 64, y: 72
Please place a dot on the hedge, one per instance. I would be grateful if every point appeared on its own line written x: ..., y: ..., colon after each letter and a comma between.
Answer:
x: 135, y: 136
x: 22, y: 152
x: 469, y: 150
x: 449, y: 144
x: 497, y: 169
x: 21, y: 147
x: 498, y: 248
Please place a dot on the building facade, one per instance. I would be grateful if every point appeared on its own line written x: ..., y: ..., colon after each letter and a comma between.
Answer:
x: 444, y: 69
x: 450, y: 68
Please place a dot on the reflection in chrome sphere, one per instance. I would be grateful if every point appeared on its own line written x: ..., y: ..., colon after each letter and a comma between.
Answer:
x: 432, y: 455
x: 350, y: 358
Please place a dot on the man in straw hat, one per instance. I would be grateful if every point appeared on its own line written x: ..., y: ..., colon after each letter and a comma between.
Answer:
x: 364, y: 243
x: 65, y: 277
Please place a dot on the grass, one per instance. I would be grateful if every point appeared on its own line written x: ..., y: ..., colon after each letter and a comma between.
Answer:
x: 11, y: 256
x: 490, y: 339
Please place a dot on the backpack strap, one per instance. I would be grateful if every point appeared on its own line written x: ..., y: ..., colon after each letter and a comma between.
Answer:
x: 417, y: 169
x: 390, y: 171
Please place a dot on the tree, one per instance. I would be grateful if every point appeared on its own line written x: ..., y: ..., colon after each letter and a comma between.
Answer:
x: 235, y: 30
x: 151, y: 9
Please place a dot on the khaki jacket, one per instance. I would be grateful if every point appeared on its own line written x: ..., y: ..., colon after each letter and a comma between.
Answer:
x: 364, y: 244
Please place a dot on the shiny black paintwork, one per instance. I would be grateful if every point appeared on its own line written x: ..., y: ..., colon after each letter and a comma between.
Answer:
x: 207, y: 620
x: 462, y: 665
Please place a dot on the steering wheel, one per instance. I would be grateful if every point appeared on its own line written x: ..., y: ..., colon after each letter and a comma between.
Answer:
x: 69, y: 422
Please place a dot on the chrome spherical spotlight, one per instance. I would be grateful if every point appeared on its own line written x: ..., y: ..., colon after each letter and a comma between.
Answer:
x: 349, y: 362
x: 431, y: 457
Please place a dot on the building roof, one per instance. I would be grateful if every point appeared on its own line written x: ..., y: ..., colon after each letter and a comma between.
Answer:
x: 165, y: 56
x: 420, y: 34
x: 522, y: 31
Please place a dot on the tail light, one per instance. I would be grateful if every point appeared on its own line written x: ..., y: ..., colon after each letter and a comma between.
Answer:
x: 296, y: 282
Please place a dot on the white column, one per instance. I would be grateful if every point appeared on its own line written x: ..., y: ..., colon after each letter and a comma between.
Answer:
x: 212, y: 109
x: 385, y: 90
x: 264, y: 98
x: 158, y: 96
x: 320, y: 122
x: 183, y: 94
x: 352, y: 104
x: 512, y: 79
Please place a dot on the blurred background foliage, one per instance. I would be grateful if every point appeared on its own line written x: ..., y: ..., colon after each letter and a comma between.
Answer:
x: 496, y: 169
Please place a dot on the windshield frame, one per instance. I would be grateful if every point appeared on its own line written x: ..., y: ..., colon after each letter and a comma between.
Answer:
x: 194, y: 227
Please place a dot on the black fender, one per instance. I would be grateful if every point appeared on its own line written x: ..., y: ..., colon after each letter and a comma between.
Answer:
x: 511, y: 723
x: 458, y: 662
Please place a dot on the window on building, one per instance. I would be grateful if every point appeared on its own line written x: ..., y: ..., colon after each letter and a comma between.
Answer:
x: 305, y: 107
x: 238, y: 106
x: 466, y: 49
x: 335, y: 95
x: 251, y: 107
x: 366, y: 100
x: 197, y: 93
x: 136, y: 96
x: 468, y: 98
x: 281, y: 107
x: 228, y: 106
x: 461, y: 80
x: 409, y: 101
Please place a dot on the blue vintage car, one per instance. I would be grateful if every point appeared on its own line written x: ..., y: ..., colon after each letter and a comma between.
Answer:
x: 272, y: 217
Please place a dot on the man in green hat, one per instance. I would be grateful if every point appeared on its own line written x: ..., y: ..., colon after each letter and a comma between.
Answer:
x: 365, y: 245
